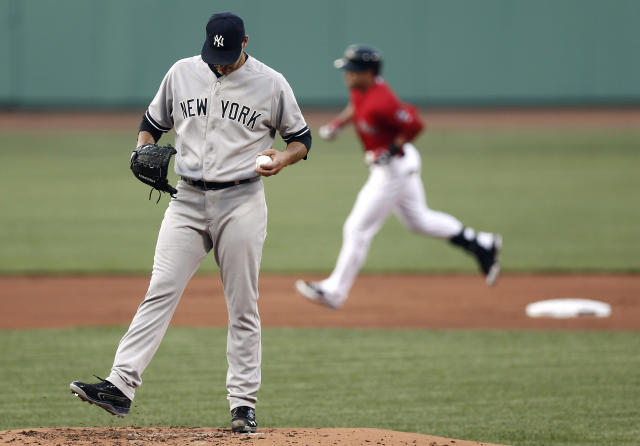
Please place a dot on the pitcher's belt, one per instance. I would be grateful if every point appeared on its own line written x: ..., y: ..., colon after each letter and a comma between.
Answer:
x: 212, y: 185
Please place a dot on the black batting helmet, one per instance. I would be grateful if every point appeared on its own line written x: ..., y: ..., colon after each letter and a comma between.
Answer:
x: 360, y: 58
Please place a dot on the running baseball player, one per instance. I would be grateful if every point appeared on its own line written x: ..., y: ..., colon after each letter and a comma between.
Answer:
x: 225, y: 107
x: 386, y: 128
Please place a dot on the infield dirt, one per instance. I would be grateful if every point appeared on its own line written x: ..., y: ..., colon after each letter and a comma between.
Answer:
x: 399, y: 300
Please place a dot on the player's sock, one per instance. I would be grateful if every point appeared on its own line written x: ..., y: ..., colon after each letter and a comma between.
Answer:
x: 473, y: 242
x: 466, y: 239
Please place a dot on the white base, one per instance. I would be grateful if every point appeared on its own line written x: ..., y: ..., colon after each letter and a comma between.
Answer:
x: 568, y: 308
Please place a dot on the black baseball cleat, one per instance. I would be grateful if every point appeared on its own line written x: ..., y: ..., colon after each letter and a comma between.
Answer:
x: 243, y: 419
x: 103, y: 394
x: 489, y: 260
x: 486, y: 253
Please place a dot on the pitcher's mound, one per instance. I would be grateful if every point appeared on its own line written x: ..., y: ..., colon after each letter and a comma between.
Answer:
x: 133, y: 436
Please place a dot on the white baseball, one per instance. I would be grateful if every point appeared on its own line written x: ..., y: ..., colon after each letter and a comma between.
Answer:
x: 262, y: 160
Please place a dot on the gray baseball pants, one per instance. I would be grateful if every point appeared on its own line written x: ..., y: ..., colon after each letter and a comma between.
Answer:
x: 232, y: 222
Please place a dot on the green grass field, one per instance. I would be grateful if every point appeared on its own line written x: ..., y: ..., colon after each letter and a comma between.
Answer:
x: 563, y: 199
x: 520, y: 388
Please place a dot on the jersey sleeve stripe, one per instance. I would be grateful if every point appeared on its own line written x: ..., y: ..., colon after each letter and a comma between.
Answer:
x: 155, y: 123
x: 297, y: 134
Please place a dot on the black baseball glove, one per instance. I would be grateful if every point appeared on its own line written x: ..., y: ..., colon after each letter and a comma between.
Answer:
x: 150, y: 164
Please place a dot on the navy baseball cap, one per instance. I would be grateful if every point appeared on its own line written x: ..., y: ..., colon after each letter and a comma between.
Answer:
x: 359, y: 58
x: 224, y: 36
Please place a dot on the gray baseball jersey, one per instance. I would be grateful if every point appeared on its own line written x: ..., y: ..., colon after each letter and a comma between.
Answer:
x: 237, y: 114
x: 221, y: 124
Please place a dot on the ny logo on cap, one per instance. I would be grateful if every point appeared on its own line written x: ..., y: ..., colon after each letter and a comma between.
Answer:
x: 218, y: 40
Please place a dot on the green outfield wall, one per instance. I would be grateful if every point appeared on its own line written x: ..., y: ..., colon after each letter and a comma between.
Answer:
x: 437, y: 52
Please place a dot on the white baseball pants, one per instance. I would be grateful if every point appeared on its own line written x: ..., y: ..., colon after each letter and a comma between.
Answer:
x: 233, y: 223
x: 396, y: 187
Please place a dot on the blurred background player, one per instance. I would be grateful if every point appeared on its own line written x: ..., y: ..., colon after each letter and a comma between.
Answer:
x: 386, y: 128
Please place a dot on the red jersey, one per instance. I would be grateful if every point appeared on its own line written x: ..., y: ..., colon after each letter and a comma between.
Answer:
x: 379, y: 116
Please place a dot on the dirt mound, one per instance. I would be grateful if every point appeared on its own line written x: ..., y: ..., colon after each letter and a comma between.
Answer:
x: 133, y: 436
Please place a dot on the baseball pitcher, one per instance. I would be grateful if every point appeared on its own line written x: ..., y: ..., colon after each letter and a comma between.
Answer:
x: 225, y: 107
x: 386, y: 128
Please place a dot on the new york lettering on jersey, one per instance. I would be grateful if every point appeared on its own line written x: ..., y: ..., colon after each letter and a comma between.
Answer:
x: 240, y: 113
x: 194, y: 107
x: 230, y: 110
